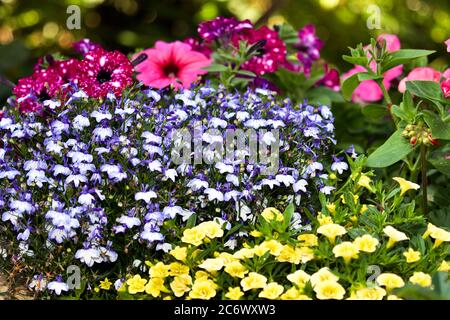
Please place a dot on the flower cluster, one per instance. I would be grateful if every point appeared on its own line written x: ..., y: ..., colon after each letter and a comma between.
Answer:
x: 99, y: 177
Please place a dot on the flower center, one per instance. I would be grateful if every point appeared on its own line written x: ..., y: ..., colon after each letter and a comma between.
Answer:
x: 103, y: 76
x: 171, y: 70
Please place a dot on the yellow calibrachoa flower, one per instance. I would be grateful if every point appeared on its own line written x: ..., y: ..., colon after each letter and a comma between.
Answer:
x: 430, y: 228
x: 421, y: 279
x: 355, y: 198
x: 390, y: 281
x: 363, y: 209
x: 405, y: 185
x: 203, y: 289
x: 236, y: 269
x: 271, y: 291
x: 346, y: 250
x: 393, y: 297
x: 324, y: 219
x: 331, y: 231
x: 136, y: 284
x: 201, y: 275
x: 211, y: 229
x: 273, y: 246
x: 212, y: 264
x: 260, y: 251
x: 444, y: 266
x: 179, y: 253
x: 226, y: 257
x: 254, y: 280
x: 244, y: 253
x: 270, y: 214
x: 329, y: 289
x: 366, y: 243
x: 234, y: 293
x: 439, y: 235
x: 178, y: 269
x: 294, y: 294
x: 193, y: 236
x: 256, y: 233
x: 331, y: 207
x: 375, y: 293
x: 322, y: 275
x: 289, y: 254
x: 305, y: 253
x: 105, y: 284
x: 155, y: 286
x: 364, y: 181
x: 308, y: 240
x: 411, y: 255
x: 299, y: 278
x: 159, y: 270
x: 394, y: 235
x: 180, y: 285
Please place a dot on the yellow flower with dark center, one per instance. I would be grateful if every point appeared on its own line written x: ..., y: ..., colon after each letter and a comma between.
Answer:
x: 411, y: 255
x: 394, y: 236
x: 331, y: 231
x: 236, y: 269
x: 203, y: 289
x: 329, y: 289
x: 180, y: 285
x: 308, y: 240
x: 159, y: 270
x: 366, y: 243
x: 390, y: 281
x: 155, y: 286
x: 105, y: 284
x: 421, y: 279
x: 136, y: 284
x: 234, y: 293
x: 406, y: 185
x: 211, y: 229
x: 253, y: 281
x: 193, y: 236
x: 271, y: 291
x: 346, y: 250
x: 299, y: 278
x: 322, y: 275
x: 179, y: 253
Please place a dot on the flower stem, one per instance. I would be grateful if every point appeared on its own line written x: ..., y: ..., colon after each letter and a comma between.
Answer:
x: 423, y: 161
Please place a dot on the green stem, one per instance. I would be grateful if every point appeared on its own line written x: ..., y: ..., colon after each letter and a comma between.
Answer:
x: 423, y: 161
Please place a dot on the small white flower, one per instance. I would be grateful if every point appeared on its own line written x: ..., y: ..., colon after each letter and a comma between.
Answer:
x: 224, y: 168
x: 58, y: 287
x: 99, y: 116
x: 102, y: 133
x: 287, y: 180
x: 339, y: 166
x: 88, y: 256
x: 197, y: 184
x: 217, y: 122
x: 214, y: 194
x: 86, y: 199
x: 300, y: 185
x: 80, y: 122
x: 327, y: 189
x: 146, y: 196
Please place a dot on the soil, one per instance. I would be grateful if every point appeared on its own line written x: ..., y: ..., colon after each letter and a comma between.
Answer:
x: 19, y: 293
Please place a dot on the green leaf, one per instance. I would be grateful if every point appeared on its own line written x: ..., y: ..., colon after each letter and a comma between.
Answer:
x: 288, y: 34
x: 247, y: 73
x: 288, y: 213
x: 216, y: 68
x: 349, y: 85
x: 375, y: 111
x: 324, y: 94
x: 441, y: 217
x: 429, y: 90
x: 394, y: 149
x: 403, y: 56
x: 363, y: 76
x: 362, y: 61
x: 438, y: 158
x: 439, y: 128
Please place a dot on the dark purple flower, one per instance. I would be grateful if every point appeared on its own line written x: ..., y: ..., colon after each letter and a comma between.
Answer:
x: 222, y: 27
x: 102, y: 72
x: 308, y: 47
x: 84, y: 46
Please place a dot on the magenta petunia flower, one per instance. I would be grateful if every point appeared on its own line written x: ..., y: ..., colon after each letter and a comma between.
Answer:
x: 445, y: 86
x: 85, y: 45
x: 308, y: 47
x: 271, y: 55
x: 32, y: 91
x: 199, y: 47
x: 172, y: 63
x: 330, y: 79
x: 67, y: 69
x: 102, y: 72
x: 222, y: 27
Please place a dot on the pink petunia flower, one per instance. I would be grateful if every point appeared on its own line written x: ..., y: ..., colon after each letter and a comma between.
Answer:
x: 445, y: 86
x: 392, y: 41
x: 448, y: 45
x: 172, y: 63
x: 271, y: 55
x: 420, y: 73
x: 102, y: 72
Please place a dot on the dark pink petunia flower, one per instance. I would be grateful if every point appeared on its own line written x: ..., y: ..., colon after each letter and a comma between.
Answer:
x: 172, y: 63
x: 102, y: 72
x: 199, y: 47
x: 84, y: 46
x: 32, y: 91
x: 271, y: 55
x: 222, y: 27
x: 330, y: 79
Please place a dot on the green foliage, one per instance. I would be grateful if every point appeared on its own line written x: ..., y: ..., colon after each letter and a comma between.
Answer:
x: 393, y: 150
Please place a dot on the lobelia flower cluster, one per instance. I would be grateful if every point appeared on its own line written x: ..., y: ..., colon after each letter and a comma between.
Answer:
x: 97, y: 176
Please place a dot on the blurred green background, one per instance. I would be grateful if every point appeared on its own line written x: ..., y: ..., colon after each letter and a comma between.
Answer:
x: 29, y: 29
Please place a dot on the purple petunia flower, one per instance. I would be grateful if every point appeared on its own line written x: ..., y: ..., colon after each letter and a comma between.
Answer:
x: 308, y: 47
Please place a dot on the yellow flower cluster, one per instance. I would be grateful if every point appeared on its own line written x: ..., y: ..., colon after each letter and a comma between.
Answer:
x: 205, y: 230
